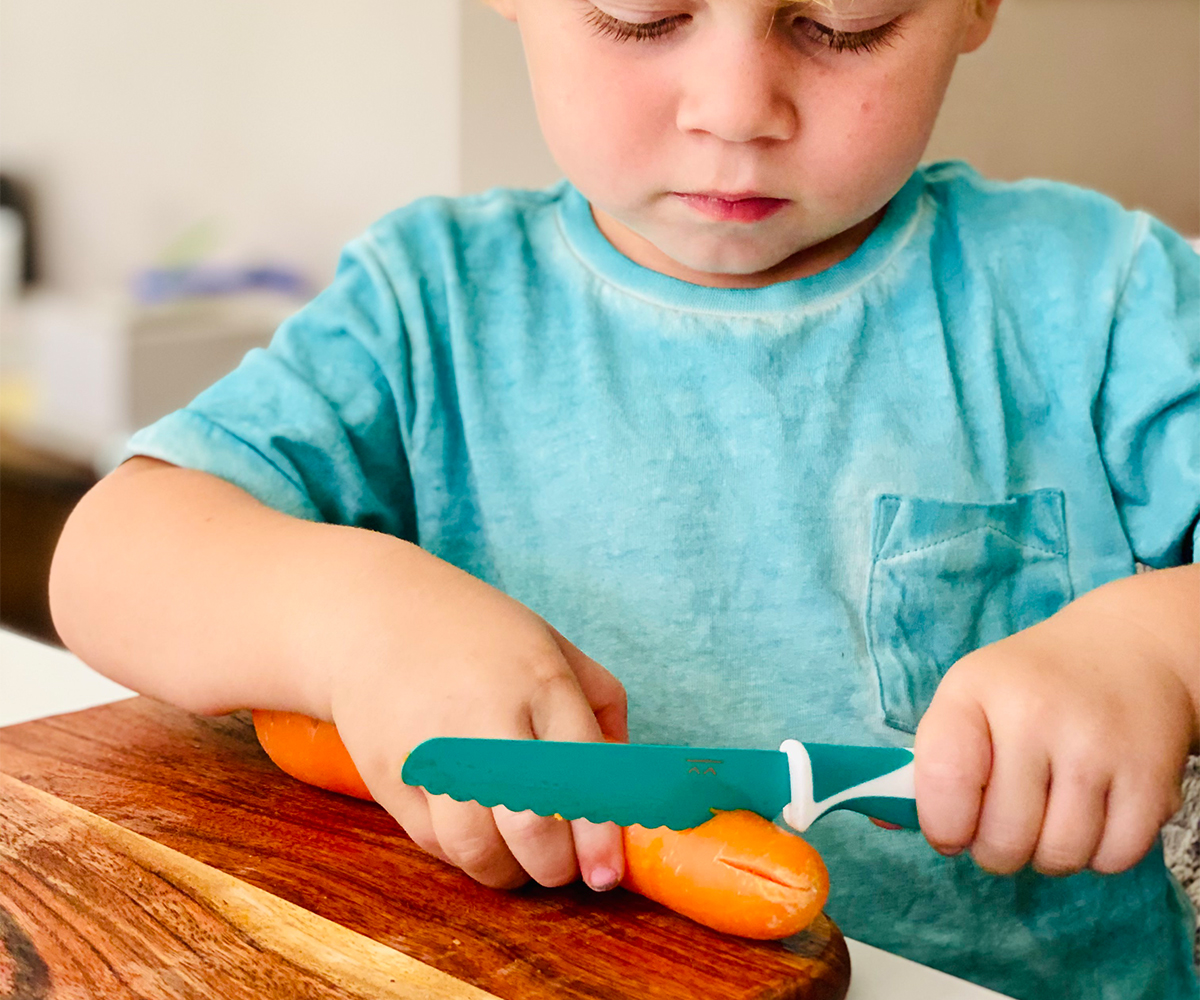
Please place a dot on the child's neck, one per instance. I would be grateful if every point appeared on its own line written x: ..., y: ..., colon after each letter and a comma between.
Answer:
x: 802, y: 264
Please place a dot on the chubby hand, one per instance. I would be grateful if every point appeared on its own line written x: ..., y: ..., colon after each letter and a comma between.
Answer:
x: 453, y: 656
x: 1064, y: 745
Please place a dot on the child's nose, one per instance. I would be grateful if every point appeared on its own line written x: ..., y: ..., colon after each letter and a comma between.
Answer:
x: 734, y: 92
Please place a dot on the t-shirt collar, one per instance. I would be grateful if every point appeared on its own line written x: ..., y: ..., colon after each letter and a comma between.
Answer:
x: 594, y: 251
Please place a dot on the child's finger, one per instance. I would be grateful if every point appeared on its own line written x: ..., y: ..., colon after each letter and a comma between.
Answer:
x: 560, y: 711
x: 541, y: 845
x: 604, y: 693
x: 600, y: 852
x: 953, y: 757
x: 467, y: 834
x: 1131, y: 825
x: 1014, y: 805
x: 409, y: 808
x: 1074, y: 821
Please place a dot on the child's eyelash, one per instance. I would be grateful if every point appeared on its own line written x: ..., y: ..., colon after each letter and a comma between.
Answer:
x: 849, y: 41
x: 623, y: 31
x: 838, y: 41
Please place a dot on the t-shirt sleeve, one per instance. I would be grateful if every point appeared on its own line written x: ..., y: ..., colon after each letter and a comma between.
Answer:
x: 314, y: 425
x: 1148, y: 412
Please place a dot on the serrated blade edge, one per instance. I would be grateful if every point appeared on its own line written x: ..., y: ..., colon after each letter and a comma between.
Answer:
x: 649, y: 785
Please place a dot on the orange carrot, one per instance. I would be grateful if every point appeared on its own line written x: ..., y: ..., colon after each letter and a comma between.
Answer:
x: 310, y: 750
x: 737, y: 873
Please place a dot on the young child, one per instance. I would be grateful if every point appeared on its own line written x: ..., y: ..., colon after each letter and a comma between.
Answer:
x: 754, y: 423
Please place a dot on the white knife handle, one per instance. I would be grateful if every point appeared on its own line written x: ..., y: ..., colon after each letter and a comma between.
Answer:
x: 892, y: 783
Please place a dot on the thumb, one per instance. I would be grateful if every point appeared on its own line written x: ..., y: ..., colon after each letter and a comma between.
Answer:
x: 605, y: 694
x: 953, y: 759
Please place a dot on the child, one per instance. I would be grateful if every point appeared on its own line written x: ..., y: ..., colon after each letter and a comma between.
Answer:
x: 793, y: 437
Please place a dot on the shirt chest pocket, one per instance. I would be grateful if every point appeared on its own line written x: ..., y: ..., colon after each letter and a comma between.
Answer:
x: 947, y: 578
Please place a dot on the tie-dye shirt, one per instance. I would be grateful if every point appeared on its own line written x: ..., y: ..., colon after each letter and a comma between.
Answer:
x: 776, y: 512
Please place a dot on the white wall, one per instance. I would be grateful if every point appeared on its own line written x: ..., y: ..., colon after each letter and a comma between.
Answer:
x: 281, y: 126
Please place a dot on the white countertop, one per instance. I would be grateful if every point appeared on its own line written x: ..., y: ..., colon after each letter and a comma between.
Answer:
x: 37, y: 680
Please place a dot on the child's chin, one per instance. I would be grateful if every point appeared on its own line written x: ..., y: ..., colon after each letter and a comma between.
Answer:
x: 728, y: 259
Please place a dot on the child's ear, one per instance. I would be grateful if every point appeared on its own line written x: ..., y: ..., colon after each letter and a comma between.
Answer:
x: 979, y: 24
x: 505, y: 8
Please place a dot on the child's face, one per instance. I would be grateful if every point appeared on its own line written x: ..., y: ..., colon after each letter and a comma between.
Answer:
x: 667, y: 114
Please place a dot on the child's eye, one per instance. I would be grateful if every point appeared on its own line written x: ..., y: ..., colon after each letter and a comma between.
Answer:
x: 848, y: 41
x: 622, y: 31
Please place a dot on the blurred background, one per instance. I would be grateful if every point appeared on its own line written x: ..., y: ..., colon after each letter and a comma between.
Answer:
x: 178, y: 175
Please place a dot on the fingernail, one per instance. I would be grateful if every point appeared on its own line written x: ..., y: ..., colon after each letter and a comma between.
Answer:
x: 948, y: 852
x: 603, y: 879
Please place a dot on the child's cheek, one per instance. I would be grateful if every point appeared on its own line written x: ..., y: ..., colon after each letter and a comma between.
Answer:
x: 608, y: 128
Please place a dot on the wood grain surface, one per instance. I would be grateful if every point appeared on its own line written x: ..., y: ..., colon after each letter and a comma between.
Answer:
x: 94, y: 910
x: 203, y: 787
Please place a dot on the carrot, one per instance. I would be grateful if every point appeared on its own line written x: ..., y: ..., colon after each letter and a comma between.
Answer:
x: 737, y: 873
x: 310, y: 750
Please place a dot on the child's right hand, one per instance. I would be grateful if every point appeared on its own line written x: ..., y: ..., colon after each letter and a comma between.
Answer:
x: 427, y: 650
x: 184, y: 587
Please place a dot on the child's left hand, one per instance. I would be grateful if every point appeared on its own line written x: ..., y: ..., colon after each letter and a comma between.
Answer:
x: 1064, y: 745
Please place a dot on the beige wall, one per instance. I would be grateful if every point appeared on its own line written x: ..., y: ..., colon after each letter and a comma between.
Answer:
x: 282, y: 127
x: 1103, y: 93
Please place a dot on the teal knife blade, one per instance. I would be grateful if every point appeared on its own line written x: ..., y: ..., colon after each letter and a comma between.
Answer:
x: 655, y: 785
x: 645, y: 784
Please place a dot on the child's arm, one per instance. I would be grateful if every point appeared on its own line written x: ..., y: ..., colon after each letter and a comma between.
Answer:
x: 1065, y: 744
x: 182, y: 586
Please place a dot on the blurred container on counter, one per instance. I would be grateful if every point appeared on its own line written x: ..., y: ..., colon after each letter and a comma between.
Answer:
x: 102, y: 367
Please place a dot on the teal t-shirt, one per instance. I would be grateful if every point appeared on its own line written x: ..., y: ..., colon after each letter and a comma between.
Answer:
x: 778, y: 512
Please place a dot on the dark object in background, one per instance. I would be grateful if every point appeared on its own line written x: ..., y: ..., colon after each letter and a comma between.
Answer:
x: 37, y: 492
x: 16, y: 195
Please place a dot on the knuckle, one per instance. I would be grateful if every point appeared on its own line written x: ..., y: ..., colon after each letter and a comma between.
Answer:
x: 524, y: 825
x: 475, y: 854
x: 1122, y: 854
x: 556, y: 876
x: 552, y: 679
x: 997, y: 862
x: 941, y: 771
x: 1002, y: 854
x: 1031, y: 717
x: 429, y: 845
x: 1077, y: 777
x: 1110, y: 862
x: 511, y: 879
x: 945, y: 840
x: 543, y: 660
x: 1057, y: 860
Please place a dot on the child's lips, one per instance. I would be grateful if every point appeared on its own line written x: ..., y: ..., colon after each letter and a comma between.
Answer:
x: 748, y: 207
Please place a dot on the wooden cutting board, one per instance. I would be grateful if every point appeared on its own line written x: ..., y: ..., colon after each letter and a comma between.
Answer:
x: 171, y: 858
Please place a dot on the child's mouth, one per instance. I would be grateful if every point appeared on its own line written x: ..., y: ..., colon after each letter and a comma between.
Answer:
x: 732, y: 207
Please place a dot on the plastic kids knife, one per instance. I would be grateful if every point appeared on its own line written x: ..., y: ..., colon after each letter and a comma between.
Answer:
x: 673, y: 786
